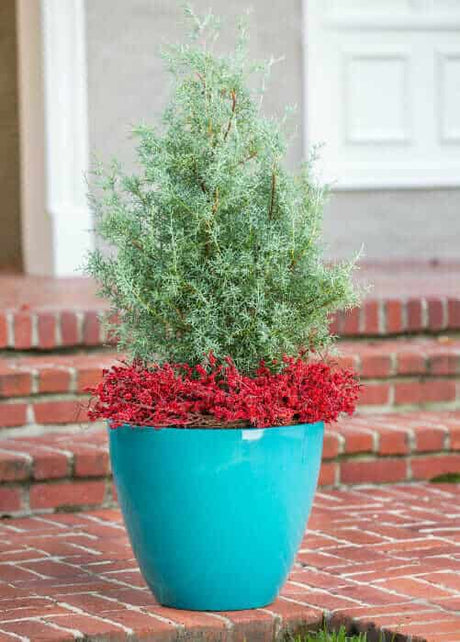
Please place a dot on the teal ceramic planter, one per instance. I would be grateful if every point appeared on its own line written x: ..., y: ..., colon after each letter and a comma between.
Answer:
x: 215, y: 517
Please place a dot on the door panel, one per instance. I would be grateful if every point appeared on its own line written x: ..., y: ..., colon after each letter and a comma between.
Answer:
x: 383, y: 91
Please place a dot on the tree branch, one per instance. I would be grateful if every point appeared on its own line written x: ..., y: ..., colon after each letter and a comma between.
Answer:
x: 272, y: 196
x: 230, y: 120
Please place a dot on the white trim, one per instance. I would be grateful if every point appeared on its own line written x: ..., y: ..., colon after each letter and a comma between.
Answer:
x: 384, y: 21
x: 391, y: 182
x: 66, y: 127
x: 305, y: 72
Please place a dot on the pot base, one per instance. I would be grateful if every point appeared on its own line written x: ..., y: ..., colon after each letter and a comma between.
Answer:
x: 216, y: 607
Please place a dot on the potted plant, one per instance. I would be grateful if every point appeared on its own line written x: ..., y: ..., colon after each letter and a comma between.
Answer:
x: 222, y: 302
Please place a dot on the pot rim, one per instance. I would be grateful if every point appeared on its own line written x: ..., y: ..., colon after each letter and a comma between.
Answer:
x: 206, y: 429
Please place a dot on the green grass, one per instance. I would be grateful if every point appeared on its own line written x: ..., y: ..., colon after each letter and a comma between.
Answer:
x: 447, y: 478
x: 325, y: 636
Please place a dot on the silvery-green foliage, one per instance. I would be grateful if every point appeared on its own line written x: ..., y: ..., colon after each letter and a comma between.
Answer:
x: 217, y: 246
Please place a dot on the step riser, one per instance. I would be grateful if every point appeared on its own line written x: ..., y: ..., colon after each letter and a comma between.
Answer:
x: 72, y: 471
x: 54, y: 329
x: 73, y: 494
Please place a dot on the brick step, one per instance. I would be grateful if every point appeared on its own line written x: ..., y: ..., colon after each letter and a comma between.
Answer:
x: 70, y: 470
x: 56, y: 327
x: 404, y: 373
x: 407, y: 372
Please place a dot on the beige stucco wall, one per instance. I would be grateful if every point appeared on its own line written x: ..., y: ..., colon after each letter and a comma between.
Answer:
x: 421, y: 224
x: 127, y: 84
x: 126, y: 78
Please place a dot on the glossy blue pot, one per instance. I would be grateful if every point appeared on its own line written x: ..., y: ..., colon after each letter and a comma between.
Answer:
x: 215, y: 516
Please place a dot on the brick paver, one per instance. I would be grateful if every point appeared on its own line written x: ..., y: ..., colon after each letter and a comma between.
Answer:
x: 374, y: 558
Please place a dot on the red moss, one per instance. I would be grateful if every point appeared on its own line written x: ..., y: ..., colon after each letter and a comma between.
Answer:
x: 218, y: 395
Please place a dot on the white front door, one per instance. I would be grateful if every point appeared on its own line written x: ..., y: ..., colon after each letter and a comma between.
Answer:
x: 383, y: 91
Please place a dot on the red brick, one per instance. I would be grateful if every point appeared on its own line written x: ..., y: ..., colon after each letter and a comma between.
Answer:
x: 411, y: 363
x: 393, y: 309
x: 50, y: 568
x: 14, y: 383
x: 371, y: 317
x: 408, y: 392
x: 453, y: 311
x: 91, y: 329
x: 438, y: 390
x: 69, y: 328
x: 13, y: 467
x: 75, y: 493
x: 414, y: 588
x: 89, y: 376
x: 90, y: 462
x: 51, y: 465
x: 375, y: 394
x: 196, y: 623
x: 29, y: 608
x: 22, y: 330
x: 347, y: 361
x: 429, y: 439
x: 251, y: 625
x: 144, y: 624
x: 327, y: 474
x: 414, y: 315
x: 334, y: 324
x: 357, y: 441
x: 36, y: 630
x: 12, y: 414
x: 375, y: 471
x: 375, y: 365
x: 330, y: 445
x: 53, y: 380
x: 60, y: 412
x: 351, y: 322
x: 444, y: 630
x: 429, y: 467
x: 393, y: 442
x: 444, y: 364
x: 46, y: 330
x: 293, y: 614
x: 449, y: 580
x: 10, y: 499
x: 114, y: 491
x: 454, y: 436
x: 435, y: 314
x: 3, y: 331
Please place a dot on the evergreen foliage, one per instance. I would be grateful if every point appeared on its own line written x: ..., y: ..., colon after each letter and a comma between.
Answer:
x: 217, y: 246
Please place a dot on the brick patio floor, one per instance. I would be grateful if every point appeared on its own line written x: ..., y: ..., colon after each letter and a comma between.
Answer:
x: 374, y: 558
